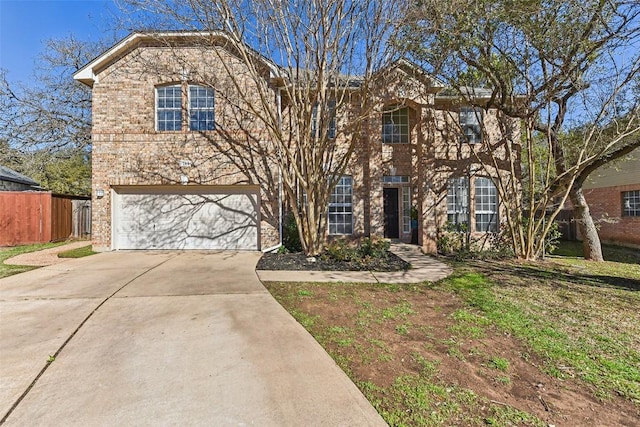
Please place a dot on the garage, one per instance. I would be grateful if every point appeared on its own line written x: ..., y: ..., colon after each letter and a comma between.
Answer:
x: 186, y: 217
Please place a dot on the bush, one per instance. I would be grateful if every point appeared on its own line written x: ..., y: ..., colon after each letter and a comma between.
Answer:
x: 290, y: 235
x: 359, y: 251
x: 374, y: 248
x: 455, y: 240
x: 340, y: 250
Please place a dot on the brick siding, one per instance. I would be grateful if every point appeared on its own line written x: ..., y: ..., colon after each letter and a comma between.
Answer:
x: 605, y: 205
x: 127, y: 150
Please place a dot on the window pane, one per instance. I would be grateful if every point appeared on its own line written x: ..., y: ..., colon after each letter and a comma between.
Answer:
x: 406, y: 210
x: 169, y: 108
x: 330, y: 115
x: 631, y: 203
x: 458, y: 201
x: 340, y: 217
x: 486, y: 205
x: 470, y: 123
x: 201, y: 108
x: 395, y: 126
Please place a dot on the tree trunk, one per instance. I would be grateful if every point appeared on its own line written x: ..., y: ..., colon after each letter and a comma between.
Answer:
x: 581, y: 214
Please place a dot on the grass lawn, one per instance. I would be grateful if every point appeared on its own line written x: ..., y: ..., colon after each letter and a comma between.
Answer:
x: 497, y: 343
x: 77, y: 252
x: 6, y: 253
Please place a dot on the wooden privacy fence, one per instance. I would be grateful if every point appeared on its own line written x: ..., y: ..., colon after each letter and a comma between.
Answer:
x: 38, y: 217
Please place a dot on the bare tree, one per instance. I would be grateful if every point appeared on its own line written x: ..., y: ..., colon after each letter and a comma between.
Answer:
x: 310, y: 66
x: 46, y: 122
x: 549, y: 64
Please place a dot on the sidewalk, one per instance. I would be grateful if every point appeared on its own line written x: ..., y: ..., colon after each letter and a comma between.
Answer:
x: 46, y: 256
x: 423, y: 268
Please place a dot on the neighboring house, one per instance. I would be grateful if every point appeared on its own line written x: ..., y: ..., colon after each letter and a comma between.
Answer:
x: 165, y: 175
x: 613, y: 196
x: 11, y: 180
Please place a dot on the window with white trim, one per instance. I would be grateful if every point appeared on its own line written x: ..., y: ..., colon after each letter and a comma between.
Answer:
x: 169, y: 108
x: 201, y: 108
x: 395, y: 126
x: 406, y: 209
x: 458, y: 201
x: 330, y: 115
x: 341, y: 207
x: 486, y: 207
x: 395, y: 179
x: 470, y: 123
x: 631, y: 203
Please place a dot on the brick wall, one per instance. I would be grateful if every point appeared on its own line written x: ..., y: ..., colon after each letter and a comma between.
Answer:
x: 127, y: 150
x: 605, y: 205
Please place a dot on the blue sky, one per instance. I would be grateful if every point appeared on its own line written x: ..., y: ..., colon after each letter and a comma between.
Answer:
x: 26, y: 25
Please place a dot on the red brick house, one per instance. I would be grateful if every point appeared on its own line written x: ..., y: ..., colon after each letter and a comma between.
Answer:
x: 165, y: 175
x: 613, y: 196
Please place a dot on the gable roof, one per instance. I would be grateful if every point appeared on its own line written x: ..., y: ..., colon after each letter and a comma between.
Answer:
x: 413, y: 70
x: 7, y: 174
x: 88, y: 73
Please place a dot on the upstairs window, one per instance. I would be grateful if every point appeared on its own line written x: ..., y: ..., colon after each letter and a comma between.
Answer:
x: 341, y: 207
x: 631, y: 203
x: 395, y: 126
x: 470, y: 123
x: 330, y: 115
x: 458, y: 201
x: 169, y: 108
x: 486, y: 205
x: 201, y: 108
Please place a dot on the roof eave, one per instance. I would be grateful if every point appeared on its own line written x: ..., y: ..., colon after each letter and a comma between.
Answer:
x: 88, y: 76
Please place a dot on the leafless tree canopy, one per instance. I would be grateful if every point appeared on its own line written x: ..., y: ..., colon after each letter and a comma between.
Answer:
x: 45, y: 125
x: 553, y: 65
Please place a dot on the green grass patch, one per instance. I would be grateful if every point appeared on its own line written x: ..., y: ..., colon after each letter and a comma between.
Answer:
x: 609, y: 252
x: 499, y: 363
x: 6, y: 253
x: 433, y: 404
x: 578, y: 321
x: 77, y: 252
x: 304, y: 319
x: 398, y: 311
x: 468, y: 324
x: 579, y: 330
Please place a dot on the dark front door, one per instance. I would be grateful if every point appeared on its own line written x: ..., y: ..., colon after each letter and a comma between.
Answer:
x: 391, y: 213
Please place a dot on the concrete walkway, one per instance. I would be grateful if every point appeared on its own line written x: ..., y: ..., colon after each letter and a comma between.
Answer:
x: 423, y: 268
x: 163, y: 338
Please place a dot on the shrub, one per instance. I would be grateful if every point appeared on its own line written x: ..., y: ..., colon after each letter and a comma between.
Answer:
x: 452, y: 239
x: 290, y: 235
x: 340, y: 251
x: 358, y: 251
x: 455, y: 240
x: 378, y: 248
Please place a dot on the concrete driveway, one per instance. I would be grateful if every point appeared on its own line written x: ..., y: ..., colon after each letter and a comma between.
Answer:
x: 152, y: 338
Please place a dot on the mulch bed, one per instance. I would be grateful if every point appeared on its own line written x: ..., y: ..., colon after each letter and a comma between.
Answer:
x: 299, y: 261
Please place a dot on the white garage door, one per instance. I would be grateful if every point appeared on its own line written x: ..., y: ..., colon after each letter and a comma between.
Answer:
x: 186, y: 218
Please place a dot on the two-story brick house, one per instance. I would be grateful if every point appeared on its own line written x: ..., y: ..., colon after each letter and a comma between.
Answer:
x: 165, y: 174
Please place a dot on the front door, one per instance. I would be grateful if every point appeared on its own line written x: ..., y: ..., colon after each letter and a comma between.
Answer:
x: 391, y: 213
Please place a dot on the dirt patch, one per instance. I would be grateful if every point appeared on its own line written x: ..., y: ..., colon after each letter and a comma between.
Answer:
x: 297, y: 261
x: 379, y: 334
